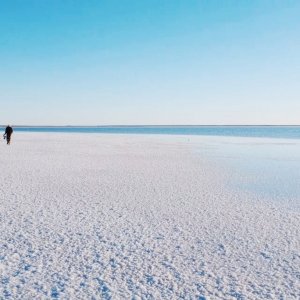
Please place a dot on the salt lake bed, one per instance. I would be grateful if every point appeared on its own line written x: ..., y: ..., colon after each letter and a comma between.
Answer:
x: 119, y: 216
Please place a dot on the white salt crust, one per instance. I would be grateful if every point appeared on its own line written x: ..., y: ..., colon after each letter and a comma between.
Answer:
x: 91, y: 216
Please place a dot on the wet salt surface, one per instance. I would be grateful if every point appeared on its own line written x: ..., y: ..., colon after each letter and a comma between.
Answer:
x: 136, y: 217
x: 269, y: 168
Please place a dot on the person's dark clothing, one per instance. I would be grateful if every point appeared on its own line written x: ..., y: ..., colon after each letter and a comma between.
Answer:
x: 8, y: 133
x: 8, y: 130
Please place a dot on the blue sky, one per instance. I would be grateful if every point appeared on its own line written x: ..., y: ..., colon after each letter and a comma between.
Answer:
x: 149, y: 62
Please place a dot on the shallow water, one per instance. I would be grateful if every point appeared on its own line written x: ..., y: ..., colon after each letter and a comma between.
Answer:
x: 292, y: 132
x: 268, y: 168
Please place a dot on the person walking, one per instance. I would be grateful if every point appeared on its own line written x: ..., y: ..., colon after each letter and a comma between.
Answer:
x: 8, y: 133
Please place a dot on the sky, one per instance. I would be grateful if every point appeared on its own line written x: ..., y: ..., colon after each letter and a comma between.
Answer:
x: 149, y: 62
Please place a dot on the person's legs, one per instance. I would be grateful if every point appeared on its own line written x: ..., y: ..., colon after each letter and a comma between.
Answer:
x: 8, y: 139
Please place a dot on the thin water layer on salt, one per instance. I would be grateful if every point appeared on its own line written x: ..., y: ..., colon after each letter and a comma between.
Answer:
x: 269, y: 168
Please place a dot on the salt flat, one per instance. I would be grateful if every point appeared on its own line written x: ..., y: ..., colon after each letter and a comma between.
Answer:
x: 91, y: 216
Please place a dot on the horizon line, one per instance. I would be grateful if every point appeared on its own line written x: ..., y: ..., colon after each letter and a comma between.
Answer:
x: 147, y: 125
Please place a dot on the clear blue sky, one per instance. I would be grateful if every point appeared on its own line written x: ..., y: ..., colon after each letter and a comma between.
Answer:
x: 149, y: 62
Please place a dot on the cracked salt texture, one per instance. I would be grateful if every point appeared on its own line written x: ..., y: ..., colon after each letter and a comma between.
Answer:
x: 137, y: 217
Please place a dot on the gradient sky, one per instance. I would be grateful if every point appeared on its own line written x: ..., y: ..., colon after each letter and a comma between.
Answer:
x: 100, y: 62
